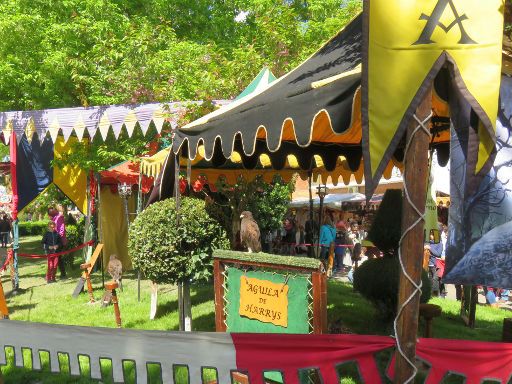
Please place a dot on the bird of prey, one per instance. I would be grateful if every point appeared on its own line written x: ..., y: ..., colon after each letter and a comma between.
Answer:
x: 249, y: 232
x: 115, y: 269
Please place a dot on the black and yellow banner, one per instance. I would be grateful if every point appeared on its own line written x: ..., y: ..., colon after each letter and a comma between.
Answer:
x: 406, y: 44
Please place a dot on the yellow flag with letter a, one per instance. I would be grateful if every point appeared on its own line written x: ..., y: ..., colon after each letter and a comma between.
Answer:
x: 406, y: 44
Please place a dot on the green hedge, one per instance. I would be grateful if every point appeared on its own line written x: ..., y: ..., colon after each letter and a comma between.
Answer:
x: 32, y: 228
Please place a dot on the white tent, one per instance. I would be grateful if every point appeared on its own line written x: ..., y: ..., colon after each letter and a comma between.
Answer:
x: 334, y: 200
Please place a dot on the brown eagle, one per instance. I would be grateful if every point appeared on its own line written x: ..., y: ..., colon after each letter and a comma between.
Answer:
x: 249, y: 232
x: 115, y: 269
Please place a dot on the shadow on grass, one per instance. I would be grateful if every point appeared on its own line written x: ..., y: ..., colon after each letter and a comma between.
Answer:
x: 204, y: 323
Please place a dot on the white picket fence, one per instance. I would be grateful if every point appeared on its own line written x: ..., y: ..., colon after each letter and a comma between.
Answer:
x: 195, y: 350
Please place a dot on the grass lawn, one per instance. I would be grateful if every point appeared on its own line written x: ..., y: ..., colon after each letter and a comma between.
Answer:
x: 348, y: 312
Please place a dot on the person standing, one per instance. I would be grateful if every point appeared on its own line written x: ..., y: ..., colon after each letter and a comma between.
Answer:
x: 339, y: 250
x: 5, y: 229
x: 327, y: 236
x: 288, y: 237
x: 51, y: 244
x: 310, y: 234
x: 436, y: 251
x: 60, y: 226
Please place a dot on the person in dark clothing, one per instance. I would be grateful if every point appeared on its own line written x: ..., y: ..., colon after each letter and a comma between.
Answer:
x: 5, y: 229
x: 288, y: 237
x: 310, y: 234
x: 52, y: 242
x: 436, y: 251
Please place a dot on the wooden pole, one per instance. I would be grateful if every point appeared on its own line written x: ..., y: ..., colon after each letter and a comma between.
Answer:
x: 415, y: 179
x: 311, y: 214
x: 218, y: 269
x: 111, y: 286
x: 85, y: 267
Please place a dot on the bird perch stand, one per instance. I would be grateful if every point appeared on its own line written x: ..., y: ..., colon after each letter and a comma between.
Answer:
x: 85, y: 267
x: 111, y: 286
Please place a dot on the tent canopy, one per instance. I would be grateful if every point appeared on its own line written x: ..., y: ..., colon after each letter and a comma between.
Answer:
x: 313, y: 110
x: 334, y: 200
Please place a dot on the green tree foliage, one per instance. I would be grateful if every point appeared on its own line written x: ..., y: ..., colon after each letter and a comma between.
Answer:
x: 49, y: 198
x: 56, y: 53
x: 168, y: 252
x: 268, y: 203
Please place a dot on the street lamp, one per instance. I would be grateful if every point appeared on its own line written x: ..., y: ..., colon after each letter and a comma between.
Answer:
x: 125, y: 191
x: 321, y: 191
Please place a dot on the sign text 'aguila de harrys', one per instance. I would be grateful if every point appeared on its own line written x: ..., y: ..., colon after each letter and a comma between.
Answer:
x: 264, y: 301
x: 406, y: 44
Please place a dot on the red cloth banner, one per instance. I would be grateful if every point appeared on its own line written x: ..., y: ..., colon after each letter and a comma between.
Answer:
x: 290, y: 353
x: 258, y: 353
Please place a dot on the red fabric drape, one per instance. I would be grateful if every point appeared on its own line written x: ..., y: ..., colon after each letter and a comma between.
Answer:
x: 476, y: 360
x: 14, y: 178
x: 289, y: 353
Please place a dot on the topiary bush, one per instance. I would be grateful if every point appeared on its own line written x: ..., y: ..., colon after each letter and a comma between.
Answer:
x: 386, y: 228
x: 377, y: 280
x: 167, y: 252
x: 75, y: 237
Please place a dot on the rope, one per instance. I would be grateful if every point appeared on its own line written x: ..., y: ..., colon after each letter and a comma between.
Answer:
x: 37, y: 256
x: 421, y: 126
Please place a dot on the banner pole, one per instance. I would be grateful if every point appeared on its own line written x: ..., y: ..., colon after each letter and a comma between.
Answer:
x: 411, y: 247
x: 14, y: 214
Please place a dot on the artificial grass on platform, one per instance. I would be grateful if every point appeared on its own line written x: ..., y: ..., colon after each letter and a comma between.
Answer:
x: 267, y: 258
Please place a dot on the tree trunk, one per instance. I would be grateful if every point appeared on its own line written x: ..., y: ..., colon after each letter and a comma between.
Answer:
x: 154, y: 300
x: 184, y: 306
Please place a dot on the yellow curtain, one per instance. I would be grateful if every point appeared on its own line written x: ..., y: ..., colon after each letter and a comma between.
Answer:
x: 71, y: 180
x: 114, y: 231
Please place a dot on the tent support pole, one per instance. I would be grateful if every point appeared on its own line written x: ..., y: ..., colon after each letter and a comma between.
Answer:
x: 139, y: 209
x: 14, y: 214
x: 415, y: 182
x: 311, y: 216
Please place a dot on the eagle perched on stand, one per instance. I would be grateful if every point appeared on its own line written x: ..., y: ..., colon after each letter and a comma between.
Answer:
x: 249, y: 232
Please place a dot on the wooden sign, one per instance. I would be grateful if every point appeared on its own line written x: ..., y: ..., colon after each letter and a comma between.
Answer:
x: 264, y: 301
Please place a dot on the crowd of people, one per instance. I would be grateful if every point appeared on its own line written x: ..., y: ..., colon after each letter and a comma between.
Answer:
x: 341, y: 234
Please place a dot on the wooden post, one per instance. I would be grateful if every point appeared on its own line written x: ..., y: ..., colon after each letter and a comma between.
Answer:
x: 154, y: 300
x: 472, y: 306
x: 415, y: 178
x: 319, y: 282
x: 111, y: 286
x: 85, y: 268
x: 506, y: 336
x: 218, y: 279
x: 187, y: 307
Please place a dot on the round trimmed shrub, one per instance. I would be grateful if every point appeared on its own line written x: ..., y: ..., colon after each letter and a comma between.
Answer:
x: 377, y: 280
x: 168, y: 252
x: 386, y: 228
